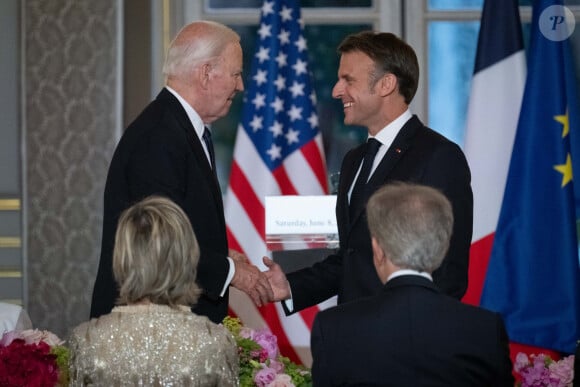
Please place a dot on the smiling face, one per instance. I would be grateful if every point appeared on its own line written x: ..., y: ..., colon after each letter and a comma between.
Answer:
x: 224, y: 82
x: 362, y: 101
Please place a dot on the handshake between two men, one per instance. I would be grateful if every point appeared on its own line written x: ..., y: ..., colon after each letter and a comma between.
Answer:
x: 261, y: 287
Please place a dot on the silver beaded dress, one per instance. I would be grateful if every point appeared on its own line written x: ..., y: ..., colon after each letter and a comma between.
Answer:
x: 152, y: 345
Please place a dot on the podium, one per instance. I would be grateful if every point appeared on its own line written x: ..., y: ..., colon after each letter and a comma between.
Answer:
x: 300, y: 230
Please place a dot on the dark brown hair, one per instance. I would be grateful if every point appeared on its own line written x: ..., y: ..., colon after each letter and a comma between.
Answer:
x: 390, y: 55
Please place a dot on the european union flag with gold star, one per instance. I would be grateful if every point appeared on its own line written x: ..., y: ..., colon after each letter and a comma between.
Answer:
x: 533, y: 278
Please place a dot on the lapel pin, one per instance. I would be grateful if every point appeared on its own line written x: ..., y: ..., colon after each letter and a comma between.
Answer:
x: 398, y: 150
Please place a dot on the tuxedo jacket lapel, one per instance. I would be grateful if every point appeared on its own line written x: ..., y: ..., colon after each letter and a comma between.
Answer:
x: 380, y: 176
x: 351, y: 162
x: 395, y: 152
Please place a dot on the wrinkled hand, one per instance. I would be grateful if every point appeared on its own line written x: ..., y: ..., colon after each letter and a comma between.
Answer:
x: 277, y: 280
x: 253, y: 282
x: 237, y: 256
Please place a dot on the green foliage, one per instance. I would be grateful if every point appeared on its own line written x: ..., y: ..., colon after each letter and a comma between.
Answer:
x: 253, y: 358
x: 62, y: 361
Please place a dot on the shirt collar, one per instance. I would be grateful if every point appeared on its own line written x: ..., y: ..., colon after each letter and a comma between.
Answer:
x: 387, y: 135
x: 401, y: 272
x: 195, y: 119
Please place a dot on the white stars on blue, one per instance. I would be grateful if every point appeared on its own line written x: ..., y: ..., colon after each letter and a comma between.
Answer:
x: 279, y: 111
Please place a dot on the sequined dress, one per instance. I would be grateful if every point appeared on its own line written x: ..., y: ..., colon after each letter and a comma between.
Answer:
x: 152, y: 345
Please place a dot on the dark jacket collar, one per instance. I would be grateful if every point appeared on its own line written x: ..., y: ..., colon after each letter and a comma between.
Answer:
x: 411, y: 280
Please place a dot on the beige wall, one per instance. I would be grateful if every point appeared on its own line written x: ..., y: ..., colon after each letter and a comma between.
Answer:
x: 71, y: 125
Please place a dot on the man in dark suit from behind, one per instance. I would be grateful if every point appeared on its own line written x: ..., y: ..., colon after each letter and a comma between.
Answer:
x: 167, y: 151
x: 410, y: 334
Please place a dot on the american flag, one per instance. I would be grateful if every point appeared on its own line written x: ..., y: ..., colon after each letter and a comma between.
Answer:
x: 278, y: 151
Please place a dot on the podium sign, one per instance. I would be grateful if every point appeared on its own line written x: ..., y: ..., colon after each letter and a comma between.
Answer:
x: 301, y: 222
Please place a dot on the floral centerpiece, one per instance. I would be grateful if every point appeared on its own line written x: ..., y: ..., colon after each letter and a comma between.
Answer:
x: 541, y: 370
x: 261, y: 364
x: 33, y: 358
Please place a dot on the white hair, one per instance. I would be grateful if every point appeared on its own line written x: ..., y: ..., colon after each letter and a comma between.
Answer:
x: 196, y: 43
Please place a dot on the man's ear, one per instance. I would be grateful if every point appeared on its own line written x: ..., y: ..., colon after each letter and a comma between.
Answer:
x: 388, y: 84
x: 203, y: 74
x: 378, y: 253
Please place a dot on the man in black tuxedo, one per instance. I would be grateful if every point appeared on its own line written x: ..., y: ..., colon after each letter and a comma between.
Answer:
x: 377, y: 79
x: 168, y: 151
x: 410, y: 334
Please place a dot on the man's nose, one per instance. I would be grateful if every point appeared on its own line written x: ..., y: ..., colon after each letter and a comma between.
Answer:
x: 337, y: 90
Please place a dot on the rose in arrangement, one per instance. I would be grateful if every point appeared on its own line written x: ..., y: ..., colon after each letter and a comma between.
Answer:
x: 261, y: 364
x: 33, y: 358
x: 542, y: 370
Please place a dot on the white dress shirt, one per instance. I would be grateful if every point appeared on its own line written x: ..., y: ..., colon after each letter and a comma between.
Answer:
x: 385, y: 136
x: 199, y: 127
x: 401, y: 272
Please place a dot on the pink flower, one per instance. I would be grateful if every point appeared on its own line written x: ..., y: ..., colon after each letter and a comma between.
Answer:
x: 31, y: 336
x: 50, y: 338
x: 9, y: 337
x: 247, y: 333
x: 261, y: 355
x: 267, y: 341
x: 261, y: 364
x: 264, y: 377
x: 277, y: 366
x: 540, y: 370
x: 563, y: 370
x: 521, y: 362
x: 282, y: 380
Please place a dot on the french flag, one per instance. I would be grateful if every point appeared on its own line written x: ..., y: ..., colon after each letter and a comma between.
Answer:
x: 495, y: 103
x: 496, y: 96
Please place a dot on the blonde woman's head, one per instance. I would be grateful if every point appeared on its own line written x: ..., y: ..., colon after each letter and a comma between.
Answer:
x: 156, y: 254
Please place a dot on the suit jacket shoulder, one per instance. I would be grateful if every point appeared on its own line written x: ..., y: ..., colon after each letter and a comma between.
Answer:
x: 410, y: 335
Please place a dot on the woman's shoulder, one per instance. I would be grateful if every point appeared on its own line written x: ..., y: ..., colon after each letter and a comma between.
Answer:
x: 175, y: 342
x: 202, y: 325
x: 154, y: 315
x: 152, y: 318
x: 168, y: 326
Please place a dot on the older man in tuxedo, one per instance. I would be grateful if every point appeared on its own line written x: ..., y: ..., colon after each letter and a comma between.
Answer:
x: 168, y: 151
x: 410, y: 334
